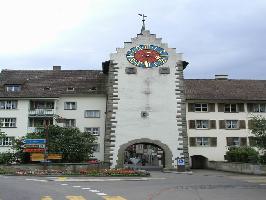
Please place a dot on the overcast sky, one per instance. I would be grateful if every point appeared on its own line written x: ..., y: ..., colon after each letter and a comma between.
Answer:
x: 216, y: 36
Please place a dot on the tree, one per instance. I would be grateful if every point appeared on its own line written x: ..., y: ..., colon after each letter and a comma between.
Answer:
x: 258, y: 129
x: 74, y: 145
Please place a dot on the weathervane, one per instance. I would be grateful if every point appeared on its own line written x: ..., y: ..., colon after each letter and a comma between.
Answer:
x: 143, y: 22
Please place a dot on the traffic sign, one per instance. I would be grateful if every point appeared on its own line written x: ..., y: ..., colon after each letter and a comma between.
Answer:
x: 39, y: 146
x: 34, y: 141
x: 180, y: 162
x: 33, y: 150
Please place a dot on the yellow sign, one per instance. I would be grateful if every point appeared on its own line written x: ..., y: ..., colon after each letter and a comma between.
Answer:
x: 40, y: 156
x: 55, y: 156
x: 37, y: 156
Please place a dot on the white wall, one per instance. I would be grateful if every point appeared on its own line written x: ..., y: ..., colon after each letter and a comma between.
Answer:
x: 86, y: 103
x: 21, y: 115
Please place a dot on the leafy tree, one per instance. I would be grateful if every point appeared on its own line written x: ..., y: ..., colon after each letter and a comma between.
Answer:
x: 74, y: 145
x: 258, y: 129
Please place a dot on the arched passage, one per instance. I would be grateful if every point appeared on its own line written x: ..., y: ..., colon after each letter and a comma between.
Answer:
x: 199, y: 162
x: 167, y: 154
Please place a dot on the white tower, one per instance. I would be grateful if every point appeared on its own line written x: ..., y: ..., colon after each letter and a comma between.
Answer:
x: 146, y: 103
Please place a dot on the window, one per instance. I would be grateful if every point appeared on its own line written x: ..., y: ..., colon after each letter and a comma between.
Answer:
x: 201, y: 107
x: 231, y: 124
x: 6, y: 141
x: 70, y: 89
x: 236, y: 141
x: 7, y: 122
x: 202, y: 124
x: 8, y: 104
x: 203, y: 141
x: 70, y: 105
x: 259, y: 107
x: 13, y: 88
x: 230, y: 108
x: 92, y: 114
x: 70, y: 123
x: 93, y: 130
x: 96, y: 147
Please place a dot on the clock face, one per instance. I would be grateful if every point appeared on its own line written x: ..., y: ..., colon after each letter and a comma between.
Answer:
x: 147, y: 56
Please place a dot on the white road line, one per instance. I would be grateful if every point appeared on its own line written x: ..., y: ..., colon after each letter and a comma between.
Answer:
x: 64, y: 184
x: 101, y: 194
x: 85, y: 188
x: 76, y: 186
x: 96, y: 191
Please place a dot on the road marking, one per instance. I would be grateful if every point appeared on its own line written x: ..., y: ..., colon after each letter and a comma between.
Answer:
x: 34, y: 179
x: 62, y: 178
x: 46, y: 198
x: 64, y: 184
x: 94, y: 191
x: 76, y: 186
x: 113, y: 198
x: 101, y: 194
x: 85, y: 188
x: 75, y: 198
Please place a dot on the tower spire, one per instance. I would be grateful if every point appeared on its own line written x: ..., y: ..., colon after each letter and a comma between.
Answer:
x: 143, y: 22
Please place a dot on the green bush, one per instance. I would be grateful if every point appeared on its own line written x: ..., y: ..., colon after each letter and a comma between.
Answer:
x: 7, y: 158
x: 242, y: 154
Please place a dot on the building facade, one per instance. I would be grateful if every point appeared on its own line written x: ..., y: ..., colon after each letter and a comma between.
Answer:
x: 139, y: 106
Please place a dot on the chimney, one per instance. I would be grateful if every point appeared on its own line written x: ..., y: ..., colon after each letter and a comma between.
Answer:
x: 221, y: 77
x: 56, y: 68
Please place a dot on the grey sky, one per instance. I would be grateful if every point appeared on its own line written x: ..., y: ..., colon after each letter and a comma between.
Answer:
x: 216, y: 36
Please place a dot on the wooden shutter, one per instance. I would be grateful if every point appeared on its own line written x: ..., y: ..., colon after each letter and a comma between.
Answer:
x: 213, y: 142
x: 242, y: 124
x: 191, y: 107
x: 192, y: 124
x: 243, y: 141
x: 250, y: 124
x: 229, y: 141
x: 250, y: 107
x: 192, y: 141
x: 221, y: 107
x: 211, y: 107
x: 240, y: 107
x: 212, y: 124
x: 221, y: 124
x: 252, y: 141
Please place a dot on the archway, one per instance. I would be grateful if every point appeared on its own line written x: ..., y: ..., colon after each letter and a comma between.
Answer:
x: 145, y: 152
x: 199, y: 162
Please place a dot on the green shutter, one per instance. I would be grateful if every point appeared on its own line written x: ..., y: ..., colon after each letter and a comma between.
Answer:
x: 243, y: 141
x: 212, y: 124
x: 242, y: 124
x: 221, y: 124
x: 213, y: 141
x: 211, y: 107
x: 240, y: 107
x: 191, y: 107
x: 192, y: 141
x: 221, y: 107
x: 192, y: 124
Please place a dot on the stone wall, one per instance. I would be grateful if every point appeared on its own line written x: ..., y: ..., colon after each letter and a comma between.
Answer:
x: 244, y: 168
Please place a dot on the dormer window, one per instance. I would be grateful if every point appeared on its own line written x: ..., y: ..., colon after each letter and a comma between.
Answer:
x: 70, y: 89
x: 13, y: 88
x: 46, y: 88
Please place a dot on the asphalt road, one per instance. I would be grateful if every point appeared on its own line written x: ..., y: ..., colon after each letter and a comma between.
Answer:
x: 200, y: 185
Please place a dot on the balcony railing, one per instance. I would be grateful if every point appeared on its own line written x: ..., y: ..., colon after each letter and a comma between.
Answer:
x: 35, y: 129
x: 42, y: 112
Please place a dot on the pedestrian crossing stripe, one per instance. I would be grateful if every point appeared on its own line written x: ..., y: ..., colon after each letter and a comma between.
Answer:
x: 46, y: 198
x: 113, y: 198
x: 75, y: 198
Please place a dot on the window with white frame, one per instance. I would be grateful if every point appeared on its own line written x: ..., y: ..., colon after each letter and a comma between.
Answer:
x: 96, y: 147
x: 93, y: 130
x: 201, y: 107
x: 6, y: 141
x: 70, y: 105
x: 202, y: 124
x: 231, y: 124
x: 230, y: 108
x: 202, y: 141
x: 13, y: 88
x: 69, y: 123
x: 8, y: 104
x: 92, y: 114
x: 259, y: 107
x: 7, y: 122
